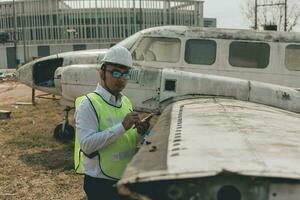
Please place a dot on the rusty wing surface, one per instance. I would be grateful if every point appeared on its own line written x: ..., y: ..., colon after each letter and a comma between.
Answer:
x: 201, y: 147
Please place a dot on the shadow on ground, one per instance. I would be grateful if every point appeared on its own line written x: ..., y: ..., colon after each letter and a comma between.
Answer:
x: 57, y: 159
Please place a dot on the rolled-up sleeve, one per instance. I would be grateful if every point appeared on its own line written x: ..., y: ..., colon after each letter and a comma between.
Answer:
x: 90, y: 139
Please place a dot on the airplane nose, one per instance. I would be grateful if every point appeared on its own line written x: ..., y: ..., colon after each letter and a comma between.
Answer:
x: 24, y: 74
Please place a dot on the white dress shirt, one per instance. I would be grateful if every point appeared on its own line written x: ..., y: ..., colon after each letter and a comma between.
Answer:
x: 90, y: 139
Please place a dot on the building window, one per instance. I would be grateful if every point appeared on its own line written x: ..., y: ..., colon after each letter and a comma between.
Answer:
x: 200, y: 52
x: 249, y: 54
x: 292, y: 57
x: 158, y: 49
x: 79, y: 47
x: 43, y: 51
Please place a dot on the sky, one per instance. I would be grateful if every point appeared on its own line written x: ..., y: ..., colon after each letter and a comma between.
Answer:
x: 227, y: 12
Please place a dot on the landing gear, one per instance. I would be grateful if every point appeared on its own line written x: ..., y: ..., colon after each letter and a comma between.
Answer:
x: 64, y: 131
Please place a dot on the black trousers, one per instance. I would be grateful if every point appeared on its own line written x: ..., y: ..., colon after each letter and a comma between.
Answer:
x: 101, y: 189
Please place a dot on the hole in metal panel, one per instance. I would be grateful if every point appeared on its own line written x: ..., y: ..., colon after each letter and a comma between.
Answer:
x: 174, y: 154
x: 176, y: 144
x: 229, y: 192
x: 170, y: 85
x: 177, y: 140
x: 176, y: 149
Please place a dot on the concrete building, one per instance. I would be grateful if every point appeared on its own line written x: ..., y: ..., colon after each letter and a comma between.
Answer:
x: 45, y: 27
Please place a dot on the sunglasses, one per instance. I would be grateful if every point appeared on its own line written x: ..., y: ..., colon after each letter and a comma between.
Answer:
x: 117, y: 74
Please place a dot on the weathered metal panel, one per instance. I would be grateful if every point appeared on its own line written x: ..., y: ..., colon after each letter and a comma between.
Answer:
x: 284, y: 191
x: 213, y: 135
x: 188, y: 83
x: 274, y: 95
x: 230, y: 34
x: 77, y: 80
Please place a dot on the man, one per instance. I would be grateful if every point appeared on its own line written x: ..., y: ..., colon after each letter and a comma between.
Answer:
x: 106, y: 136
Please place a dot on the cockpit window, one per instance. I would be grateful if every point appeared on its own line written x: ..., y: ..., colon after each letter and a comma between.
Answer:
x: 200, y: 52
x: 158, y: 49
x: 292, y: 57
x: 249, y: 54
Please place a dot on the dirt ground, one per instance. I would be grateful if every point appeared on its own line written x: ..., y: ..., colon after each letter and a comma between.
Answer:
x: 33, y: 164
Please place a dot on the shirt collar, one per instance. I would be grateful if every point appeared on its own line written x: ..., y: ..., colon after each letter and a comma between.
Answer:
x: 107, y: 96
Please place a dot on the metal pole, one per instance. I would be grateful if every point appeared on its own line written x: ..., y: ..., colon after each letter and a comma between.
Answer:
x: 285, y: 15
x: 255, y: 15
x: 15, y: 33
x: 141, y: 16
x: 23, y: 31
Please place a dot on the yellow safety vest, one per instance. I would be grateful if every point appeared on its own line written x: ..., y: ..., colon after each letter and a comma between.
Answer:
x: 114, y: 157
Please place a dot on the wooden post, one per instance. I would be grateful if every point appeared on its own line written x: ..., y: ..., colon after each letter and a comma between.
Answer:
x: 33, y: 96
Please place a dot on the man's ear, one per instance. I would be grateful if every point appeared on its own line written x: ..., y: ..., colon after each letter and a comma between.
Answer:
x: 101, y: 73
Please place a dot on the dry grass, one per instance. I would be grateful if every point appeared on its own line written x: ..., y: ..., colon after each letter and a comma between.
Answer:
x: 33, y: 164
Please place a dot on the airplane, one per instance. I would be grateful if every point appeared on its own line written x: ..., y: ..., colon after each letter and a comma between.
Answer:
x: 270, y: 57
x: 266, y: 56
x: 217, y: 137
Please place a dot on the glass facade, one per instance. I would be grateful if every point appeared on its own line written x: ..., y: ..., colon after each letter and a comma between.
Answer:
x: 75, y: 21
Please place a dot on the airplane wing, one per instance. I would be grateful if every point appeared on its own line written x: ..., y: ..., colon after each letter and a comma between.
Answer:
x: 201, y: 147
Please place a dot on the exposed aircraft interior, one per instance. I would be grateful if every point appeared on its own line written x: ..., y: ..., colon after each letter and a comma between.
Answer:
x: 43, y: 72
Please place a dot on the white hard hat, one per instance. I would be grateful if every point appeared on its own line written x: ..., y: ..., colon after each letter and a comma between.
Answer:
x: 118, y: 55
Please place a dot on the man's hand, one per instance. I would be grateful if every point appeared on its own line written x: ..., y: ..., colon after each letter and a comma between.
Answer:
x: 142, y: 127
x: 130, y: 119
x: 144, y: 124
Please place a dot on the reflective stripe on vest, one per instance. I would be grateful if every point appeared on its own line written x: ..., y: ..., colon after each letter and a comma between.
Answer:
x: 114, y: 157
